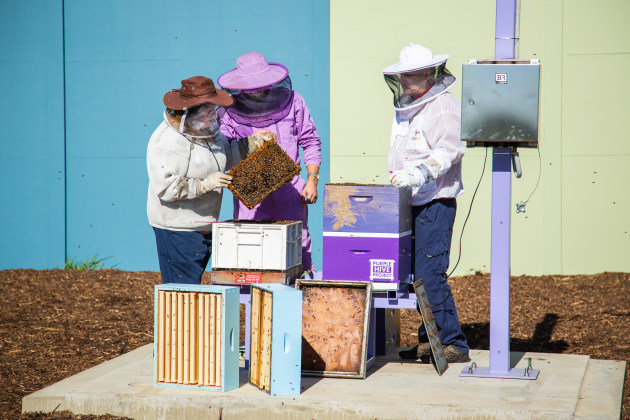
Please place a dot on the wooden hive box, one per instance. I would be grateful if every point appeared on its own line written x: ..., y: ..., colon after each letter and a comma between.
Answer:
x: 367, y: 234
x: 262, y: 173
x: 196, y: 329
x: 256, y: 251
x: 256, y: 244
x: 335, y: 322
x: 276, y: 339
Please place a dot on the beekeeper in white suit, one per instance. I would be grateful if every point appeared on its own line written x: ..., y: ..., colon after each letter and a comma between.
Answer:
x: 426, y: 153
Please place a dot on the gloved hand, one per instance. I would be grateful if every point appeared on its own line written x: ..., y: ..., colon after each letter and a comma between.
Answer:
x: 407, y: 178
x: 215, y: 181
x: 258, y: 138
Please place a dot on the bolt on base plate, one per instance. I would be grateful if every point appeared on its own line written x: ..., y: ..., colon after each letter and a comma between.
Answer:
x: 515, y: 373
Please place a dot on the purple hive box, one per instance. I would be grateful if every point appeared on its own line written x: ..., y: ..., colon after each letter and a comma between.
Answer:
x: 367, y: 234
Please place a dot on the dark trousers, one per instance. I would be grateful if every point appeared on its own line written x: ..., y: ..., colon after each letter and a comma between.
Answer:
x: 183, y: 256
x: 433, y: 229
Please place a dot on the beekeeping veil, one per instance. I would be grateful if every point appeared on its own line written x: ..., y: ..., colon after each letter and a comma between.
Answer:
x: 200, y: 122
x: 262, y: 90
x: 417, y: 77
x: 192, y: 109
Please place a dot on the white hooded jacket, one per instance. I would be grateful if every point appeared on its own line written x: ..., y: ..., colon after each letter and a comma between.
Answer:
x: 428, y: 135
x: 174, y: 161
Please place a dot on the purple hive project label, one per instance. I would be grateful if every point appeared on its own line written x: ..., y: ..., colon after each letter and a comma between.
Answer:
x: 382, y: 270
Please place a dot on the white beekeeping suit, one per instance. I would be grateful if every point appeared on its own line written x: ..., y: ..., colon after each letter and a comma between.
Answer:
x: 425, y: 153
x: 425, y: 148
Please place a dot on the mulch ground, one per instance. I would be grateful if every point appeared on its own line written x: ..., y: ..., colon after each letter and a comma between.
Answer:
x: 56, y: 323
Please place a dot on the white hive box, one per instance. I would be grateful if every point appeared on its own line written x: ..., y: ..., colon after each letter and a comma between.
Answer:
x: 256, y: 245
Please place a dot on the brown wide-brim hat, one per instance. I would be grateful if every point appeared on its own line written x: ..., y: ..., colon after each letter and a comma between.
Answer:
x: 195, y: 91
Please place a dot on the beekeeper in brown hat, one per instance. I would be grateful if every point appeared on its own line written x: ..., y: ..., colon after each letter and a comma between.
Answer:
x: 187, y: 158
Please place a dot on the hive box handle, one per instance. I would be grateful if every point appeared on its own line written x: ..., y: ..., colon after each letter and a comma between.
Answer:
x: 361, y: 198
x: 359, y: 251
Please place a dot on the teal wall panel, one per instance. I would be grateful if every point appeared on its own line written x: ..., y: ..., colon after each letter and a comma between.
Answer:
x: 107, y: 212
x: 121, y: 57
x: 32, y: 217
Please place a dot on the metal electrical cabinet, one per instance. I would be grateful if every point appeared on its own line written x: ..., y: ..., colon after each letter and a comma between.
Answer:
x: 500, y: 103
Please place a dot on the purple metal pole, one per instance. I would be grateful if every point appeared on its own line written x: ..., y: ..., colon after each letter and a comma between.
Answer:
x: 501, y: 202
x: 504, y: 30
x: 504, y: 43
x: 500, y: 261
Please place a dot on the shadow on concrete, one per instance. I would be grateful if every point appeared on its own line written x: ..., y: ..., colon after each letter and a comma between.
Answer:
x: 478, y: 335
x: 393, y: 357
x: 309, y: 381
x: 306, y: 382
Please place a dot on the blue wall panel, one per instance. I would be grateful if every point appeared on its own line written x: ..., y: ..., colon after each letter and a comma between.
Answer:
x: 107, y: 225
x: 121, y: 57
x: 32, y: 217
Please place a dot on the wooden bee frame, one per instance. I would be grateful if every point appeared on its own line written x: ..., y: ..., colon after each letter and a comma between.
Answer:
x: 335, y: 327
x: 262, y: 173
x: 195, y: 333
x: 276, y: 338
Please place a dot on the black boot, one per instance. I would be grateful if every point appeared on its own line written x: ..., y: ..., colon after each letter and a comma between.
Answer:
x: 415, y: 353
x: 452, y: 355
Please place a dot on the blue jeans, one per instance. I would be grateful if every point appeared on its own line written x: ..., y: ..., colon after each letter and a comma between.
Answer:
x: 433, y: 229
x: 183, y: 256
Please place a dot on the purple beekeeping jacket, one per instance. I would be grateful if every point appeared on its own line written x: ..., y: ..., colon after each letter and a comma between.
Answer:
x: 295, y: 130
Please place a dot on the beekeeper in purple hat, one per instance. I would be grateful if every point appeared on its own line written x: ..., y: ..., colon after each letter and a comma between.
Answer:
x: 264, y: 99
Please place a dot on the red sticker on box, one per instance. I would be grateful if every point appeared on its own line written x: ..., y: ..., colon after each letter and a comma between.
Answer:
x: 248, y: 277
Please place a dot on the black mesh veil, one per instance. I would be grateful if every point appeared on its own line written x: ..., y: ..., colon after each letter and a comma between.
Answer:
x: 261, y: 107
x: 413, y: 87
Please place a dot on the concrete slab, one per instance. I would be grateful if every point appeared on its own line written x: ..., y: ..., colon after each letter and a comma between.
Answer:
x: 569, y: 386
x: 600, y: 396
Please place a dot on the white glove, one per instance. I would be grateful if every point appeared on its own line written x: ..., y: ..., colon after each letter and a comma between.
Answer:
x: 255, y: 142
x: 215, y: 181
x: 407, y: 178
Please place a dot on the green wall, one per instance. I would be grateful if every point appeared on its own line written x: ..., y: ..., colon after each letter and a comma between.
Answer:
x: 577, y: 219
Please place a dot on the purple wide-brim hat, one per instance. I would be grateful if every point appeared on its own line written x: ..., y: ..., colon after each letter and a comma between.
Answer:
x: 252, y: 72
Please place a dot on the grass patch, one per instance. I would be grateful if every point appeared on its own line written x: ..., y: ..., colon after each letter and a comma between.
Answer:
x: 94, y: 263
